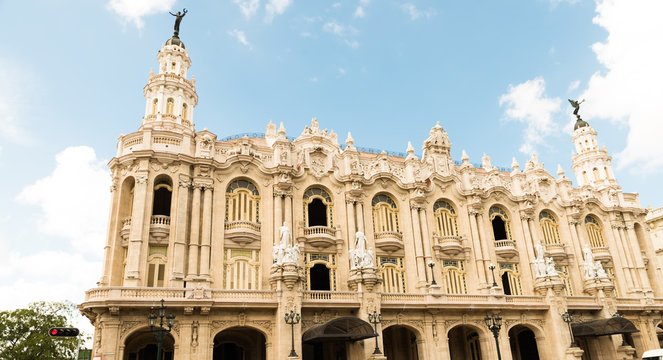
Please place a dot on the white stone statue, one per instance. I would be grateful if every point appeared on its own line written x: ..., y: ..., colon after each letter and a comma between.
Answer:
x: 539, y: 263
x: 593, y: 269
x: 284, y: 253
x: 285, y: 235
x: 361, y: 257
x: 550, y: 267
x: 485, y: 162
x: 600, y: 271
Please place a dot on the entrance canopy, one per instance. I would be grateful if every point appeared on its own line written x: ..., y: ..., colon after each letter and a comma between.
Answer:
x: 340, y: 329
x: 611, y: 326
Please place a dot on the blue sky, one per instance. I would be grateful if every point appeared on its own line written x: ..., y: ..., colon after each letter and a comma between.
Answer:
x: 496, y: 75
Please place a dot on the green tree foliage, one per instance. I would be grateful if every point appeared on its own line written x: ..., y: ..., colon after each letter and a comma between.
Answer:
x: 24, y: 332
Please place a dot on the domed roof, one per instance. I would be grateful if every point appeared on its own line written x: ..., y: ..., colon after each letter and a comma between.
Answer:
x: 175, y: 41
x: 580, y: 123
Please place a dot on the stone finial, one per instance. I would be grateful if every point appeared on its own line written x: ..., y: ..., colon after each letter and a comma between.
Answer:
x: 410, y: 151
x: 465, y: 158
x: 514, y: 164
x: 281, y: 131
x: 193, y: 80
x: 485, y: 162
x: 349, y: 141
x: 560, y: 171
x: 333, y: 136
x: 270, y: 131
x: 151, y: 72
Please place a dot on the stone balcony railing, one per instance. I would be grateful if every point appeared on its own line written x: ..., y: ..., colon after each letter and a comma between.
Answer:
x: 125, y: 228
x: 506, y: 248
x: 320, y: 236
x: 447, y: 245
x: 321, y: 298
x: 601, y: 253
x: 159, y: 228
x: 389, y: 240
x: 556, y: 251
x: 242, y: 231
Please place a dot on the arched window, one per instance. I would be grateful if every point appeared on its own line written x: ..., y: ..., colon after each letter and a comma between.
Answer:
x: 510, y: 274
x: 155, y: 104
x: 184, y: 112
x: 445, y: 218
x: 392, y: 270
x: 584, y: 177
x: 607, y: 174
x: 454, y: 276
x: 385, y: 214
x: 594, y: 232
x: 320, y: 271
x: 549, y: 228
x: 500, y: 221
x: 156, y: 265
x: 170, y: 104
x: 595, y: 172
x: 162, y: 198
x: 318, y: 209
x: 242, y: 202
x: 563, y: 272
x: 242, y: 269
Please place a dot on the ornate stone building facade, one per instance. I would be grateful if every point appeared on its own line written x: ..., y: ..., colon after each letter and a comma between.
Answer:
x: 235, y: 233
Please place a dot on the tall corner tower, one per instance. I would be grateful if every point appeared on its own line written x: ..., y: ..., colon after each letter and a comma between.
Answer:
x: 592, y: 165
x: 169, y: 96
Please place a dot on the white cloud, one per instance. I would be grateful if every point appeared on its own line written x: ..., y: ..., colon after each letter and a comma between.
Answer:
x: 359, y: 13
x: 135, y: 10
x: 573, y: 85
x: 13, y: 101
x: 313, y: 79
x: 557, y: 2
x: 276, y: 7
x: 341, y: 71
x: 336, y: 5
x: 342, y: 32
x: 630, y: 87
x: 528, y: 104
x: 352, y: 43
x: 415, y: 13
x: 334, y: 28
x: 73, y: 199
x: 248, y: 7
x: 240, y: 36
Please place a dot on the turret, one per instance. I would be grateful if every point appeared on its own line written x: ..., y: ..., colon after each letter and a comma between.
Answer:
x: 169, y: 96
x: 592, y: 165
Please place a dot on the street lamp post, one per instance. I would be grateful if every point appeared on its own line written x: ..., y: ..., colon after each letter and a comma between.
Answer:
x: 492, y: 270
x: 292, y: 319
x: 375, y: 319
x: 567, y: 319
x: 494, y: 323
x: 160, y: 332
x: 431, y: 264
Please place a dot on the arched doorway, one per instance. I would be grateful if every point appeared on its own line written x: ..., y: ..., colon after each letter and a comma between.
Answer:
x: 239, y: 343
x: 320, y: 277
x: 464, y: 343
x: 659, y: 335
x: 400, y: 342
x: 523, y: 343
x: 332, y: 340
x: 142, y: 345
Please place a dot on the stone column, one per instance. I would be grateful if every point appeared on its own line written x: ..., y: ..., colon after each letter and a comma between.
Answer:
x: 524, y: 219
x: 425, y: 235
x: 179, y: 244
x: 476, y: 245
x: 138, y: 214
x: 278, y: 216
x: 360, y: 217
x: 421, y: 266
x: 352, y: 229
x: 633, y: 250
x: 111, y: 237
x: 194, y: 236
x: 619, y: 260
x: 484, y: 248
x: 207, y: 232
x: 288, y: 214
x: 109, y: 345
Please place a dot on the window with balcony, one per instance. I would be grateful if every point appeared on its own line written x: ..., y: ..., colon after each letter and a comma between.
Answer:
x: 500, y: 222
x: 445, y: 218
x: 318, y: 209
x: 242, y: 202
x: 594, y: 232
x: 510, y: 275
x: 242, y: 269
x: 385, y: 214
x: 549, y: 228
x: 454, y: 276
x: 392, y: 270
x: 320, y: 271
x: 162, y: 197
x: 156, y: 265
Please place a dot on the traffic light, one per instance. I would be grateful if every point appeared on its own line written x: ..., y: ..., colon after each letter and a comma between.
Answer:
x: 61, y: 331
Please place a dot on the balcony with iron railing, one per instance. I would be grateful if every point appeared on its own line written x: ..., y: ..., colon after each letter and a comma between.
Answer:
x: 506, y: 248
x: 242, y: 231
x: 389, y: 240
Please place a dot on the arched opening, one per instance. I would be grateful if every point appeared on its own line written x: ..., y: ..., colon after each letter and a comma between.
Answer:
x: 464, y: 343
x: 320, y: 277
x: 162, y: 197
x: 170, y: 104
x: 333, y: 339
x: 499, y: 229
x: 523, y: 343
x: 142, y: 345
x: 239, y: 343
x: 659, y: 335
x: 185, y: 115
x: 317, y: 213
x: 505, y: 284
x: 155, y: 103
x: 400, y: 343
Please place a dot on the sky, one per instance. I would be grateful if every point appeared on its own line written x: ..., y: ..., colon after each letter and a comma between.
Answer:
x: 495, y: 74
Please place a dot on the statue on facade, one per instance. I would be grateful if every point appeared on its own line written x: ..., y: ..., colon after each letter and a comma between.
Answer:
x: 593, y: 269
x: 576, y: 107
x: 178, y: 20
x: 543, y: 266
x: 284, y: 252
x: 361, y: 257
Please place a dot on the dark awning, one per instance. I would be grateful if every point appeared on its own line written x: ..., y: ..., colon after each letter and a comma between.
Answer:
x: 611, y: 326
x: 340, y: 329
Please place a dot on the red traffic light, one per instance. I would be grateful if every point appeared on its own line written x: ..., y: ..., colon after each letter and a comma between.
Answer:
x: 69, y: 332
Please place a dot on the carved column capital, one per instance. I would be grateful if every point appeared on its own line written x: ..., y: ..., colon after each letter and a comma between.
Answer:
x: 203, y: 184
x: 279, y: 192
